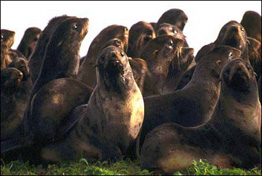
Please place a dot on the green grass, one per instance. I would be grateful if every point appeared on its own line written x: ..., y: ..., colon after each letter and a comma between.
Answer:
x: 126, y: 167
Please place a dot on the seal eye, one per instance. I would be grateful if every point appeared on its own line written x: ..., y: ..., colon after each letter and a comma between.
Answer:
x: 174, y: 31
x: 75, y: 26
x: 122, y: 53
x: 242, y: 29
x: 230, y: 55
x: 170, y: 42
x: 249, y: 68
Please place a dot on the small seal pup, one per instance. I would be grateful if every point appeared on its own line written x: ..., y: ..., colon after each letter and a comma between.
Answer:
x: 232, y: 138
x: 29, y: 41
x: 110, y: 120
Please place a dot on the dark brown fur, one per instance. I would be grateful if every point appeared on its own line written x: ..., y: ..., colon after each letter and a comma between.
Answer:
x: 36, y: 58
x: 175, y: 17
x: 254, y: 55
x: 169, y: 29
x: 29, y: 41
x: 232, y: 138
x: 251, y: 21
x: 195, y: 103
x: 106, y: 128
x: 61, y: 59
x: 139, y: 35
x: 87, y: 71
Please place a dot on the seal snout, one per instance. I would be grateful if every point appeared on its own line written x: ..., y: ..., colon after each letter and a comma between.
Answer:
x: 237, y: 75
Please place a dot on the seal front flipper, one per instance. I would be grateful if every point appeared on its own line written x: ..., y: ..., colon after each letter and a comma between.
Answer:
x: 68, y: 124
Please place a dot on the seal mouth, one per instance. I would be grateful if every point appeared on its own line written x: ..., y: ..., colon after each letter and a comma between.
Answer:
x: 114, y: 68
x: 233, y: 41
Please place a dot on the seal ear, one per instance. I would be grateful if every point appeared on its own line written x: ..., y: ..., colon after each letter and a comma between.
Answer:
x: 218, y: 62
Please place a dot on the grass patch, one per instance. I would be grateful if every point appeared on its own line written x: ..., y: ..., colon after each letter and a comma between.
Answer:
x: 127, y: 167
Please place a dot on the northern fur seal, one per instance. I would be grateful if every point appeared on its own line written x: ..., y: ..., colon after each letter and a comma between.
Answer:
x: 161, y: 55
x: 112, y: 118
x: 139, y: 66
x: 86, y: 71
x: 7, y: 38
x: 36, y: 58
x: 140, y: 34
x: 232, y: 138
x: 169, y: 29
x: 176, y: 17
x: 61, y: 59
x: 10, y: 82
x: 22, y: 95
x: 195, y: 103
x: 251, y: 21
x: 7, y: 41
x: 254, y: 55
x: 29, y: 41
x: 232, y: 34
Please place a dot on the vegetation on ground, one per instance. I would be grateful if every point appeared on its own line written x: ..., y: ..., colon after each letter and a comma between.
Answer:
x: 126, y: 167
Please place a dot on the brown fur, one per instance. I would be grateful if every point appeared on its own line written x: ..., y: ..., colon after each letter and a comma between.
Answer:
x: 29, y: 41
x: 251, y: 21
x: 36, y: 58
x: 195, y: 103
x: 87, y: 71
x: 169, y: 29
x: 110, y: 121
x: 139, y: 35
x: 232, y: 138
x: 175, y: 17
x: 254, y: 55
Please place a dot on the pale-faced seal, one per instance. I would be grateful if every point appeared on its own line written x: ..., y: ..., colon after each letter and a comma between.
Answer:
x: 29, y: 41
x: 86, y: 71
x: 232, y: 138
x: 112, y: 118
x: 139, y: 35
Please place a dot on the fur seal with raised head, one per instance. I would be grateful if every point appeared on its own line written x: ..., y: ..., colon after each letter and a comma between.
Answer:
x: 112, y: 118
x: 36, y: 58
x: 232, y: 138
x: 61, y: 59
x: 87, y: 71
x: 194, y: 104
